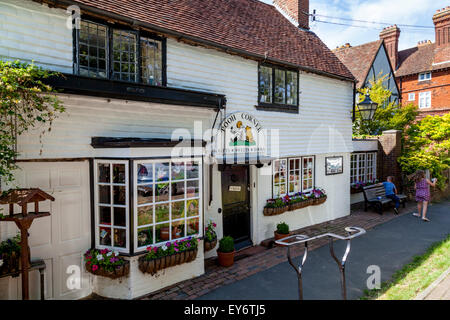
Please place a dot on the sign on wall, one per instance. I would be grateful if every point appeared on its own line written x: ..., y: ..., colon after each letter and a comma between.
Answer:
x: 334, y: 165
x: 240, y: 133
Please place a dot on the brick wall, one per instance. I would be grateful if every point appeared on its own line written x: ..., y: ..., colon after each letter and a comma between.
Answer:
x: 389, y: 151
x: 439, y: 85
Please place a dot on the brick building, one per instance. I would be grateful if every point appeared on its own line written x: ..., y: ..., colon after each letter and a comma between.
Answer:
x: 423, y: 73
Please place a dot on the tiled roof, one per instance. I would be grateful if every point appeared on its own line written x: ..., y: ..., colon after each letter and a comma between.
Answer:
x: 419, y: 59
x: 247, y: 26
x: 358, y: 59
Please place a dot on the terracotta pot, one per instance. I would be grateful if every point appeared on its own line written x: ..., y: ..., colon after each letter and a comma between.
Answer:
x: 164, y: 233
x: 226, y: 259
x: 279, y: 236
x: 209, y: 245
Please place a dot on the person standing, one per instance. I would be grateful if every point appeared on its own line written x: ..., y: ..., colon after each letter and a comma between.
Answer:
x: 391, y: 192
x: 422, y: 186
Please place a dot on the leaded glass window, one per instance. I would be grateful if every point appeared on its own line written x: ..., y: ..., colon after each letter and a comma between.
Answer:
x: 265, y: 84
x: 92, y: 50
x: 124, y: 56
x: 280, y: 86
x: 151, y: 65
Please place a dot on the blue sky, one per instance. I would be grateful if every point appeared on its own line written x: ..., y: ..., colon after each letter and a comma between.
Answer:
x: 411, y: 12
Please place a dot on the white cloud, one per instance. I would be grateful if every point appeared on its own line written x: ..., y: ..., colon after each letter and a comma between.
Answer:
x: 411, y: 12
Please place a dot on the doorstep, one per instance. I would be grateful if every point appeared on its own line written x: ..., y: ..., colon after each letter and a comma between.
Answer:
x: 260, y: 258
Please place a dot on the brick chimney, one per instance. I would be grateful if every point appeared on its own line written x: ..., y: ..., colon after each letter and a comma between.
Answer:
x: 296, y: 10
x: 441, y: 20
x: 391, y: 35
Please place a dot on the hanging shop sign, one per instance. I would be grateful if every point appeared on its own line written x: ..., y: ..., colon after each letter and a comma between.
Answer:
x: 240, y: 133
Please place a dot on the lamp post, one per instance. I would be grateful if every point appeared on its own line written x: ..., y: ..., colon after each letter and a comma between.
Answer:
x: 367, y: 108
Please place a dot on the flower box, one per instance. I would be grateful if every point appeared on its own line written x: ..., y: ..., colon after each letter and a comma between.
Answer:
x: 275, y: 211
x: 209, y: 245
x: 300, y: 205
x: 318, y: 201
x: 106, y: 263
x: 168, y: 255
x: 210, y: 237
x: 154, y: 265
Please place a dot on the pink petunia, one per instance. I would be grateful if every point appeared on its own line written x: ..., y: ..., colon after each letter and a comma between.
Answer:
x: 94, y: 267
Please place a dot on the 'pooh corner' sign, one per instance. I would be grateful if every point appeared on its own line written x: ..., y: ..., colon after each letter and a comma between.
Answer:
x: 240, y: 132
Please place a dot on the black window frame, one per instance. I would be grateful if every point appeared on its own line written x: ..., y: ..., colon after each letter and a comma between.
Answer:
x: 278, y: 107
x: 109, y: 50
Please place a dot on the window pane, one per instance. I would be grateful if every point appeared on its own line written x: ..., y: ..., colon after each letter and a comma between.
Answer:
x: 178, y: 190
x: 162, y: 171
x: 120, y: 238
x: 120, y: 217
x: 192, y: 208
x: 103, y: 173
x: 162, y: 212
x: 151, y: 68
x: 192, y: 170
x: 145, y: 215
x: 119, y: 173
x: 177, y: 229
x: 119, y: 195
x: 178, y: 210
x: 162, y: 232
x: 145, y: 194
x: 145, y: 173
x: 92, y: 36
x: 192, y: 226
x: 192, y: 189
x: 177, y: 170
x: 105, y: 236
x: 124, y: 55
x: 292, y: 88
x: 145, y: 236
x: 105, y: 215
x: 280, y: 86
x: 265, y: 84
x: 162, y: 192
x: 104, y: 194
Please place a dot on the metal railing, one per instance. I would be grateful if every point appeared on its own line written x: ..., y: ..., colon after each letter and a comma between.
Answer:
x: 352, y: 232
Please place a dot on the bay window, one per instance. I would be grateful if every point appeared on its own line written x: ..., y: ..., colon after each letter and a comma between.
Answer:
x: 278, y: 89
x: 292, y: 175
x: 166, y: 202
x: 105, y: 51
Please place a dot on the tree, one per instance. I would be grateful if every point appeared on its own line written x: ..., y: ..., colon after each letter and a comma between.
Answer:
x: 389, y: 114
x: 25, y: 102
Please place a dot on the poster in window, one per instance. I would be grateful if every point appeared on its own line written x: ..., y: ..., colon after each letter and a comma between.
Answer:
x: 334, y: 165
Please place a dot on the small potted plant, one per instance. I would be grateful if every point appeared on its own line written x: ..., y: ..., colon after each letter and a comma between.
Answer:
x: 210, y: 238
x: 282, y: 231
x: 226, y: 251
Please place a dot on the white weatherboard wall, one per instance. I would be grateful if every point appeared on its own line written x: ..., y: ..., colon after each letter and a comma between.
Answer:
x: 61, y: 239
x: 32, y: 31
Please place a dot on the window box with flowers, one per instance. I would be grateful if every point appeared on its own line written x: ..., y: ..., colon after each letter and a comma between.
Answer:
x: 296, y: 201
x: 358, y: 186
x: 168, y: 255
x: 319, y: 196
x: 277, y: 206
x: 106, y: 263
x: 210, y: 238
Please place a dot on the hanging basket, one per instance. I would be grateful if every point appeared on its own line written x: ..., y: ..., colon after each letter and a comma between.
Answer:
x: 120, y: 271
x: 209, y: 245
x: 318, y: 201
x: 275, y: 211
x: 155, y: 265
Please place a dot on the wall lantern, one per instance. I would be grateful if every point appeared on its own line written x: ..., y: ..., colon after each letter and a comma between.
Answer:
x: 367, y: 108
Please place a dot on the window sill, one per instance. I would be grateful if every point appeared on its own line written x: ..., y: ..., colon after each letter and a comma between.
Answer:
x: 277, y: 108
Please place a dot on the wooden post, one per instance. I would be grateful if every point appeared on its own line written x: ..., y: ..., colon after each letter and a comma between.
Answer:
x: 24, y: 225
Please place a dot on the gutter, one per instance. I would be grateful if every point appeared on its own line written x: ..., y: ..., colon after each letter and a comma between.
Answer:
x: 137, y: 23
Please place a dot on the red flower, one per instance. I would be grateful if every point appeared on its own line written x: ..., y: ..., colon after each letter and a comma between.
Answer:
x: 94, y: 267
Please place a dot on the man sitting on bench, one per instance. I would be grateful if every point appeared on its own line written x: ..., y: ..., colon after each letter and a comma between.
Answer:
x: 391, y: 192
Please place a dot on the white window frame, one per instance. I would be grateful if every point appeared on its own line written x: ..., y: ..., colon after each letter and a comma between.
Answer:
x: 426, y: 76
x: 360, y: 166
x: 288, y: 175
x: 137, y: 248
x: 111, y: 205
x: 425, y: 100
x: 411, y: 96
x: 293, y: 171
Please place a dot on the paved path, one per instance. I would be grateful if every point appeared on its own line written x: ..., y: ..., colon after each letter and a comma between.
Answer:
x: 389, y: 246
x: 438, y: 290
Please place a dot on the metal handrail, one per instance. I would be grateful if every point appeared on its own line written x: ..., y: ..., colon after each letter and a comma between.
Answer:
x: 301, y: 238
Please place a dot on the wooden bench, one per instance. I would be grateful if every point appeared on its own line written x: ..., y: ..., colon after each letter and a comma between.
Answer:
x: 375, y: 197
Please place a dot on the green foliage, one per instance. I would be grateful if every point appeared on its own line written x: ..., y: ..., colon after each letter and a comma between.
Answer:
x: 428, y: 147
x: 25, y: 103
x: 282, y: 228
x: 10, y: 245
x: 210, y: 233
x: 226, y: 244
x: 103, y: 259
x: 275, y: 203
x: 388, y: 116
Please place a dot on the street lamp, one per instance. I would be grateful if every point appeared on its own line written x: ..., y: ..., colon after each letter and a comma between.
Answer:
x: 367, y: 108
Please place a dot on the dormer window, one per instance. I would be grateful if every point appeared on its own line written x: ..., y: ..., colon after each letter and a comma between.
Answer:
x: 425, y: 76
x: 278, y: 89
x: 104, y: 51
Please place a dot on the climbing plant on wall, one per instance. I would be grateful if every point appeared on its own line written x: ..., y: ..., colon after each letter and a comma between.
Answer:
x: 26, y: 103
